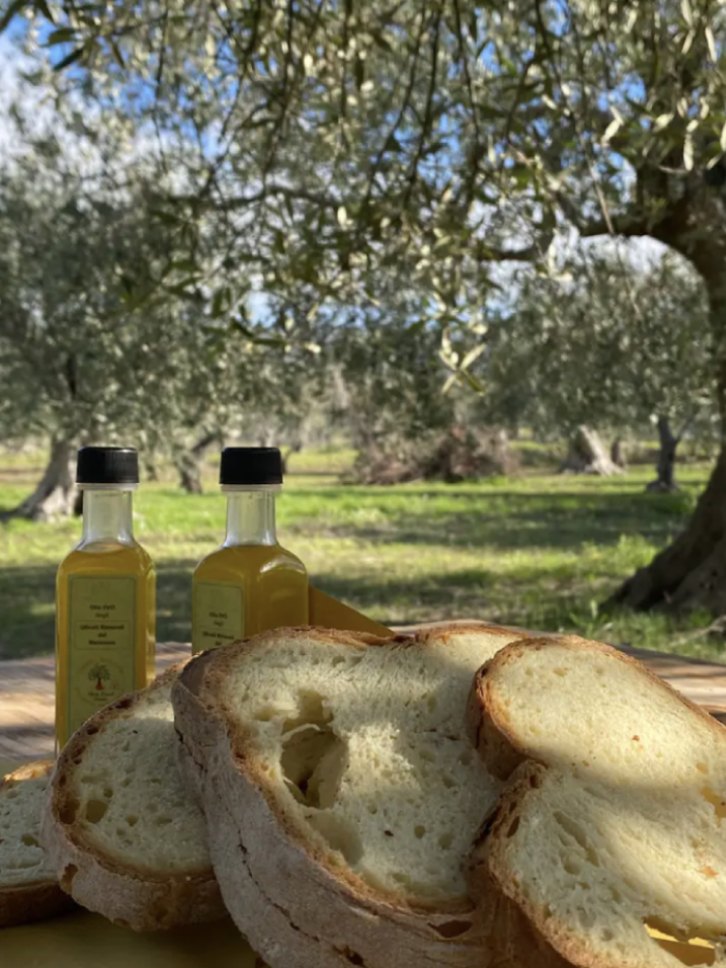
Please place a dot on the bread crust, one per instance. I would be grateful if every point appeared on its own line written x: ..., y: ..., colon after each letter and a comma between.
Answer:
x: 522, y: 936
x: 39, y: 899
x: 489, y: 726
x: 273, y: 882
x: 141, y: 899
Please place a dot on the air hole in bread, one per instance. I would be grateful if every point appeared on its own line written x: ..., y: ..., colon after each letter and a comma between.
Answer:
x: 132, y: 820
x: 29, y: 840
x: 452, y: 929
x: 419, y: 831
x: 68, y: 810
x: 311, y: 712
x: 717, y: 802
x: 560, y: 672
x: 572, y: 828
x: 702, y: 767
x: 95, y: 810
x: 313, y: 761
x: 571, y: 865
x: 352, y: 956
x: 686, y: 946
x: 267, y: 713
x: 445, y: 841
x: 513, y: 827
x: 339, y: 835
x: 66, y: 878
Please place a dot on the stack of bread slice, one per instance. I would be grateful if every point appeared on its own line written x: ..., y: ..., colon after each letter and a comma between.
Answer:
x: 29, y: 889
x: 120, y: 830
x: 467, y: 796
x: 341, y: 792
x: 608, y: 845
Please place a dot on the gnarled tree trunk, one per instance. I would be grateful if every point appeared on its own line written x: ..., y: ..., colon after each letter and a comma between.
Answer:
x: 587, y: 455
x: 691, y: 571
x: 55, y: 494
x: 690, y: 217
x: 666, y: 466
x: 189, y: 464
x: 617, y: 453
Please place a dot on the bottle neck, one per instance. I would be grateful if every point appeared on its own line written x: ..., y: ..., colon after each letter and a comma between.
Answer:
x: 250, y: 518
x: 107, y: 516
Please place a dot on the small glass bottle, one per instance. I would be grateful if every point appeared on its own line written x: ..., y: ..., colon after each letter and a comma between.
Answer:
x: 105, y: 595
x: 251, y: 583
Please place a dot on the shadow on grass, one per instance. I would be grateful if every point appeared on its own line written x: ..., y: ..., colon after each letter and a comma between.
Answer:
x: 27, y: 608
x: 511, y: 521
x: 476, y: 593
x: 27, y: 600
x: 466, y: 517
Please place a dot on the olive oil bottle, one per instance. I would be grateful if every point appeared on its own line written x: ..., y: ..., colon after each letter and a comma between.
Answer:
x: 251, y: 583
x: 105, y: 595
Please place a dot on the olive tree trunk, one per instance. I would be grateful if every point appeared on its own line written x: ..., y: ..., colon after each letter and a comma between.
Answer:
x: 587, y: 455
x: 666, y: 466
x: 691, y: 572
x: 188, y: 464
x: 55, y: 494
x: 617, y: 453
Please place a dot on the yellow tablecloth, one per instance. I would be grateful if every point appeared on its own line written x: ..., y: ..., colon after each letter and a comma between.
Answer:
x: 83, y: 940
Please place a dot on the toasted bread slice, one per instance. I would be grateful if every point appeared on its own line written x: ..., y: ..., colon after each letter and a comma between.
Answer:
x: 29, y: 889
x: 608, y: 848
x: 341, y: 791
x: 121, y: 831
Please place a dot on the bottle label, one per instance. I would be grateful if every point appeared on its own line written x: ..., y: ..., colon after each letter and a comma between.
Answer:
x: 217, y: 615
x: 101, y: 654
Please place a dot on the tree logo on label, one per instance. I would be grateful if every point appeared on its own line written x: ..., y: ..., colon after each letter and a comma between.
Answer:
x: 100, y: 674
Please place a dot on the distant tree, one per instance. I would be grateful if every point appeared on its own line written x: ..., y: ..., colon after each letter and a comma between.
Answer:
x: 96, y: 343
x: 402, y: 418
x: 605, y: 342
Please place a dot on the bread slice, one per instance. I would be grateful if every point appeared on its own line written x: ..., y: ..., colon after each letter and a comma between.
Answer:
x: 121, y: 831
x: 29, y: 889
x: 608, y: 847
x: 341, y: 791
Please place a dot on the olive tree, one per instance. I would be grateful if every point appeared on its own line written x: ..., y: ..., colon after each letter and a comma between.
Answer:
x: 335, y: 144
x: 611, y: 337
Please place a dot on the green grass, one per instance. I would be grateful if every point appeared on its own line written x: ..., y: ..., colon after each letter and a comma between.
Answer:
x: 539, y: 550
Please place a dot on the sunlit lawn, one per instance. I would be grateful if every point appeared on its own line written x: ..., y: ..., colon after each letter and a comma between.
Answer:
x: 537, y: 550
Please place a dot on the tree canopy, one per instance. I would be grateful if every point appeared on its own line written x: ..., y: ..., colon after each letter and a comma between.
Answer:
x: 332, y: 142
x: 604, y: 341
x: 346, y: 152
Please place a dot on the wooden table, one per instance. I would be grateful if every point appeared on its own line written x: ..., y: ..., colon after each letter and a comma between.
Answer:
x: 26, y: 694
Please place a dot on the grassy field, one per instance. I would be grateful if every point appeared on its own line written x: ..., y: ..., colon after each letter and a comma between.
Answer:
x: 539, y: 550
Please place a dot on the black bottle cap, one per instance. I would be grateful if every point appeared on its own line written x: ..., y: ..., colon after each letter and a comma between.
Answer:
x: 107, y: 465
x: 250, y: 465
